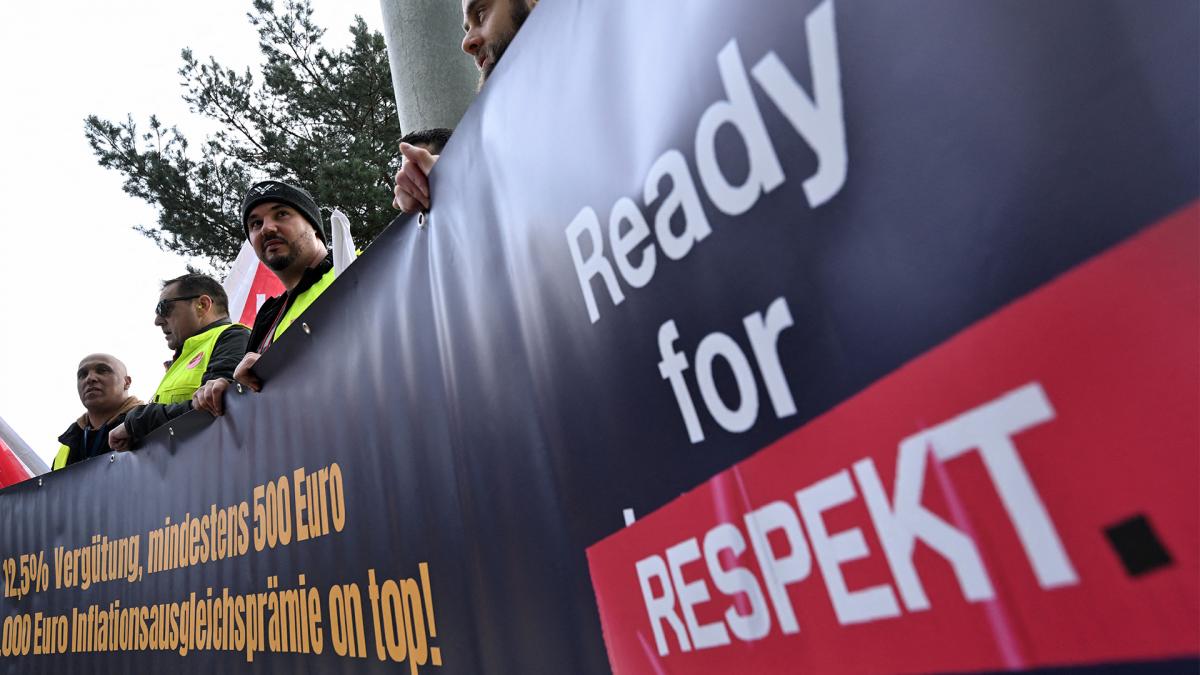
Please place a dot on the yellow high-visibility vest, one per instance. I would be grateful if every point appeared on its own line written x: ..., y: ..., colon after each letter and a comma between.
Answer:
x: 302, y: 302
x: 60, y: 460
x: 183, y: 377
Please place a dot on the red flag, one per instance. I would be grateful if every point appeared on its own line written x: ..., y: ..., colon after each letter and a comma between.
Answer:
x: 17, y: 460
x: 248, y: 284
x: 11, y: 469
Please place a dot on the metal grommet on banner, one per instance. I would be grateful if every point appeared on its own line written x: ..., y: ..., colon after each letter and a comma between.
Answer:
x: 112, y: 458
x: 39, y: 482
x: 240, y: 389
x: 421, y: 220
x: 171, y: 430
x: 307, y: 330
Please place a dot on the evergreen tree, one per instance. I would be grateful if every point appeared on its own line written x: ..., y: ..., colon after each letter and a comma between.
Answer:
x: 325, y: 120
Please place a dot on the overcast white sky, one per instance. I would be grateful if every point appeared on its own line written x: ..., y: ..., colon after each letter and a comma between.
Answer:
x: 75, y: 278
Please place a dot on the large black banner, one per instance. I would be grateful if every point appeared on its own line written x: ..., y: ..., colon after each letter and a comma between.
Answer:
x: 664, y: 236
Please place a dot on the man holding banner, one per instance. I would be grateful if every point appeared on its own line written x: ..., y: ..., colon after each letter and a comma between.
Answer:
x: 490, y: 26
x: 876, y: 325
x: 284, y: 226
x: 193, y: 313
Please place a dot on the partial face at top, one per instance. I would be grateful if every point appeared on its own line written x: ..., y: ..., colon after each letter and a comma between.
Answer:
x: 280, y: 236
x: 102, y: 382
x: 490, y: 25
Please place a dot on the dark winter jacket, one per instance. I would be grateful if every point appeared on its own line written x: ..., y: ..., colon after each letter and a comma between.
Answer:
x: 276, y: 307
x: 227, y: 354
x: 80, y: 441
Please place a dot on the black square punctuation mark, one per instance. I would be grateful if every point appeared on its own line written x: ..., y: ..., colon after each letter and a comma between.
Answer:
x: 1137, y: 545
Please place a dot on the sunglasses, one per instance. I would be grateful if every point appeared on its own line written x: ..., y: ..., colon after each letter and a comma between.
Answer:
x: 163, y: 308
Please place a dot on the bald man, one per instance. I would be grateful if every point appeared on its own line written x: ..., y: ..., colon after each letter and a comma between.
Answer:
x: 103, y: 385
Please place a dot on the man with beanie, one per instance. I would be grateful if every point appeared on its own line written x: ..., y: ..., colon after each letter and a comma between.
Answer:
x: 193, y: 313
x: 102, y: 382
x: 284, y: 226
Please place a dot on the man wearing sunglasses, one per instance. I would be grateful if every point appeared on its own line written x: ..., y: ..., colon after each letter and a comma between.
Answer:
x: 284, y: 226
x: 193, y: 313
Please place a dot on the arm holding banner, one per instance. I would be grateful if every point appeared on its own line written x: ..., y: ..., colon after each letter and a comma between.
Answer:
x: 210, y: 397
x: 412, y: 180
x: 244, y: 373
x: 227, y: 354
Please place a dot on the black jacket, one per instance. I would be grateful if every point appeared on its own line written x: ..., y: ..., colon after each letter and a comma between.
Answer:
x: 279, y: 305
x: 227, y: 354
x: 83, y: 442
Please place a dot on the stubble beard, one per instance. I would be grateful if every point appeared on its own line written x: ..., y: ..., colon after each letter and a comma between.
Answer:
x: 494, y: 50
x: 492, y: 53
x: 279, y: 262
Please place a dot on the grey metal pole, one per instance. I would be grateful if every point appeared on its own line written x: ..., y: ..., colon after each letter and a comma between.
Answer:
x: 433, y: 80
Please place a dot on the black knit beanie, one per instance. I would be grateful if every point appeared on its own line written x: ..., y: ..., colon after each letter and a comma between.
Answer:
x: 277, y: 191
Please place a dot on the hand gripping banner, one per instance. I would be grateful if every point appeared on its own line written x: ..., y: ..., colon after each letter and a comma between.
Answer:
x: 741, y: 337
